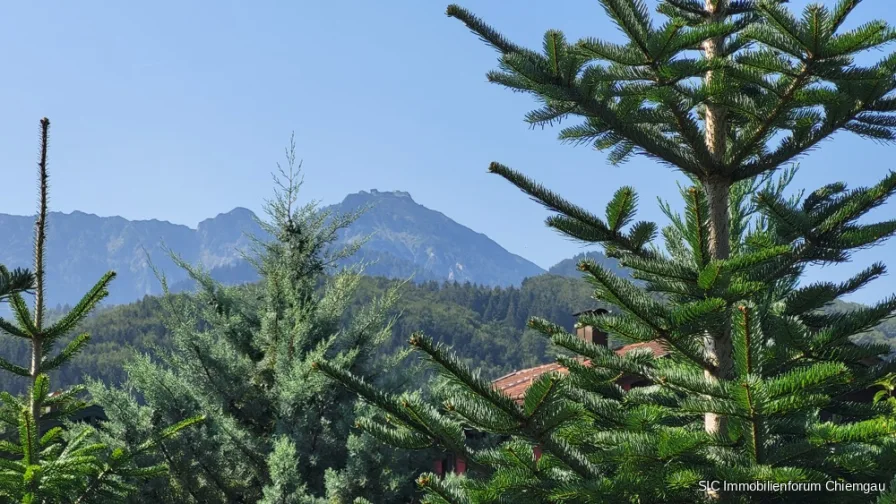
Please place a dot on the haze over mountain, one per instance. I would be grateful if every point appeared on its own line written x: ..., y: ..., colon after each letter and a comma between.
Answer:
x: 404, y: 239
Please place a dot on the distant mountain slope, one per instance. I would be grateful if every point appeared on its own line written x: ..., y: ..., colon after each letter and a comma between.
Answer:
x: 402, y: 228
x: 406, y: 240
x: 81, y: 247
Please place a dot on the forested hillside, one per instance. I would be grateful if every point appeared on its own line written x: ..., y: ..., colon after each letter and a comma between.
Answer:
x: 486, y: 325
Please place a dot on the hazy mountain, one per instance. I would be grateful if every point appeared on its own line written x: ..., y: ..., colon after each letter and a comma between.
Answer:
x: 81, y: 247
x: 405, y: 239
x: 406, y: 233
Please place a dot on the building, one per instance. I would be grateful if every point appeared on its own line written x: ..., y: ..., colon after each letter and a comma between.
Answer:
x: 516, y: 383
x: 92, y: 415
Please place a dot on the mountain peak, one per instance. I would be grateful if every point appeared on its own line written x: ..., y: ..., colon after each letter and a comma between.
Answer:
x: 376, y: 194
x: 406, y: 231
x: 237, y: 212
x: 237, y: 215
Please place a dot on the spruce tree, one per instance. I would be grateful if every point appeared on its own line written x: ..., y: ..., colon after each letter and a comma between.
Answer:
x: 58, y: 464
x: 275, y: 431
x: 729, y: 93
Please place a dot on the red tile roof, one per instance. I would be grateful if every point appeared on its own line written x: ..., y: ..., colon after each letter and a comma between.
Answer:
x: 516, y: 383
x: 655, y: 346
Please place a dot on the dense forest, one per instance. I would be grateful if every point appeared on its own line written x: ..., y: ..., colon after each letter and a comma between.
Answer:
x: 485, y: 325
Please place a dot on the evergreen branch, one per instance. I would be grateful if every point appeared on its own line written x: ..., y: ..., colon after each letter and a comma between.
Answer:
x: 807, y: 379
x: 14, y: 368
x: 23, y: 316
x: 775, y: 207
x: 817, y: 295
x: 660, y: 268
x: 631, y: 16
x: 447, y: 492
x: 691, y: 6
x: 657, y: 146
x: 13, y: 330
x: 455, y: 370
x: 540, y: 393
x: 16, y: 281
x: 574, y: 459
x: 690, y: 131
x: 120, y: 459
x: 840, y: 13
x: 759, y: 134
x: 615, y: 53
x: 75, y: 346
x: 621, y: 209
x: 389, y: 403
x: 624, y: 294
x: 791, y: 146
x: 608, y: 411
x: 574, y: 220
x: 485, y: 32
x: 28, y: 437
x: 400, y: 437
x: 783, y: 21
x: 697, y: 213
x: 60, y: 399
x: 82, y: 309
x: 860, y: 202
x: 551, y: 200
x: 823, y: 195
x: 40, y: 228
x: 862, y: 319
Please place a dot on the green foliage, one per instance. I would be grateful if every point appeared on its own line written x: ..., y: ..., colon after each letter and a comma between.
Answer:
x: 603, y: 443
x: 757, y: 362
x: 14, y: 282
x: 486, y: 325
x: 61, y: 463
x: 778, y: 77
x: 240, y: 355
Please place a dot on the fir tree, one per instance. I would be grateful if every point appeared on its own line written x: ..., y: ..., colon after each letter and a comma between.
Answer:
x: 55, y: 464
x: 753, y: 357
x: 276, y: 432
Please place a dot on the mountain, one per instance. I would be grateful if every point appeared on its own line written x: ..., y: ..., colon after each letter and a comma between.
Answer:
x: 407, y: 234
x: 404, y: 239
x: 81, y: 247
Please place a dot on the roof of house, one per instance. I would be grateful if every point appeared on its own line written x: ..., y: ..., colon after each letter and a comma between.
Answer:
x: 516, y: 383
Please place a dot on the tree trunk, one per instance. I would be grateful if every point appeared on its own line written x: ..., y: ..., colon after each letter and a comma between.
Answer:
x: 719, y: 346
x: 717, y: 187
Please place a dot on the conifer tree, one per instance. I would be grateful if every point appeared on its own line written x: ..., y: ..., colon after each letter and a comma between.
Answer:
x: 276, y: 431
x: 754, y: 357
x: 56, y: 464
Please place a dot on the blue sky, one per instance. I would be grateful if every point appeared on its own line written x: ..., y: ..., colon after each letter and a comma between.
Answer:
x: 180, y: 110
